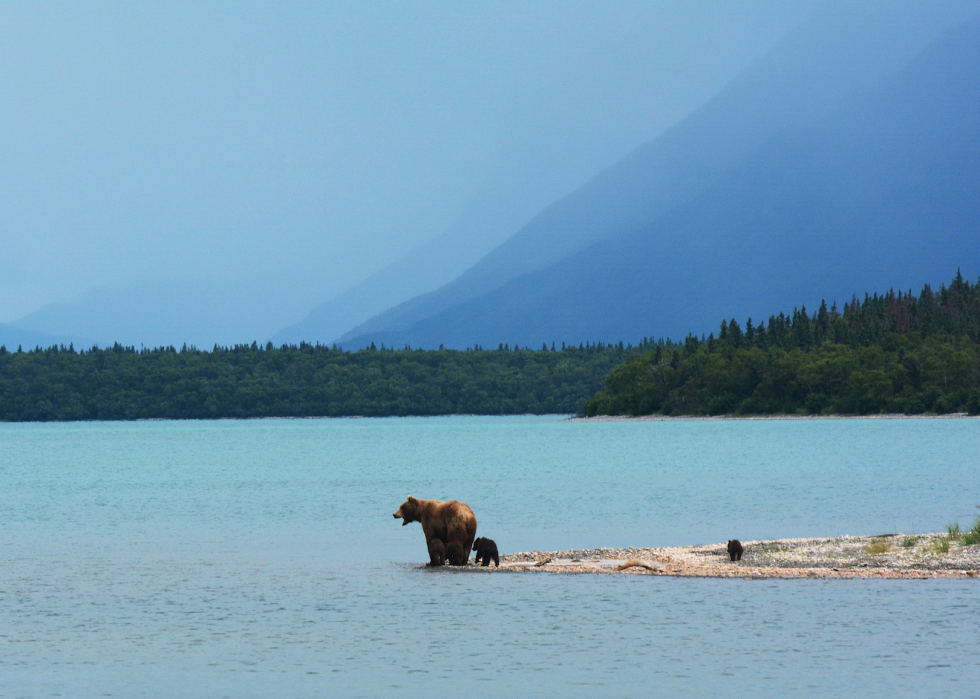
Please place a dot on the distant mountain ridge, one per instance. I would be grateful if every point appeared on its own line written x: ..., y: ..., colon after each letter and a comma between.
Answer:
x: 501, y: 205
x: 13, y: 337
x: 764, y: 215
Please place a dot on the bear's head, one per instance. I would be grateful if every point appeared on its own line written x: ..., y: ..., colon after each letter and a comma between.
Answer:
x: 409, y: 511
x: 478, y: 542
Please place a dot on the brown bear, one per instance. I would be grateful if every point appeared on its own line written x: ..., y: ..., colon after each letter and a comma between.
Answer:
x: 485, y: 549
x: 455, y: 556
x: 735, y: 549
x: 437, y: 553
x: 450, y: 522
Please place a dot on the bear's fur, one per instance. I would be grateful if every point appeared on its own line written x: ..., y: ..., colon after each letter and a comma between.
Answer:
x: 437, y: 553
x: 485, y: 550
x: 455, y: 556
x: 735, y: 549
x: 450, y: 522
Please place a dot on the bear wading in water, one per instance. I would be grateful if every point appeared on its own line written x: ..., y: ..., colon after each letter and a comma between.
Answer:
x: 450, y: 522
x: 455, y: 556
x: 735, y: 549
x: 437, y: 553
x: 486, y: 549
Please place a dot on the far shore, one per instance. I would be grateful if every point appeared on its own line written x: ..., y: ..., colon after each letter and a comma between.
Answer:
x: 898, y: 556
x: 700, y: 418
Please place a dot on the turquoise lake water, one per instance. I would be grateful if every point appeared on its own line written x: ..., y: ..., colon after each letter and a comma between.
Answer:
x: 260, y: 559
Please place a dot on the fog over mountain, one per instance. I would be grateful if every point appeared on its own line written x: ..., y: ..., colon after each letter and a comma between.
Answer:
x: 527, y: 178
x: 185, y: 172
x: 442, y: 174
x: 12, y: 338
x: 880, y: 191
x: 675, y: 222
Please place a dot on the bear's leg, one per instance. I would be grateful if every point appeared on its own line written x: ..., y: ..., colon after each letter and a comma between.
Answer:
x: 463, y: 533
x: 739, y: 555
x: 486, y: 560
x: 466, y: 552
x: 732, y: 554
x: 496, y: 560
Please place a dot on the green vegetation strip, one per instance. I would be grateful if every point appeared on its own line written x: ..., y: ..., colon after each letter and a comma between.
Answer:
x: 121, y: 383
x: 895, y: 353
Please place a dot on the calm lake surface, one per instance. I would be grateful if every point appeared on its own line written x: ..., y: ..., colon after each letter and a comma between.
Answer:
x: 260, y: 559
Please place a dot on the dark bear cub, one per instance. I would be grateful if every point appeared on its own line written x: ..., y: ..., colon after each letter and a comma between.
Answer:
x: 735, y: 549
x: 437, y: 553
x: 485, y: 550
x: 454, y: 553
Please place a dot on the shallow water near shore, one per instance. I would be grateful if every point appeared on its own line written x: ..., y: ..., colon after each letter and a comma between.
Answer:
x: 260, y: 558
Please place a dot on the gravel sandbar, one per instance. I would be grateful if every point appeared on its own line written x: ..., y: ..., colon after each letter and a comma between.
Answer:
x: 886, y: 556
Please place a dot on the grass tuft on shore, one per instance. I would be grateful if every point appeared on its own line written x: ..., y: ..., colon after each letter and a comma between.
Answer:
x: 878, y: 547
x: 972, y: 535
x: 910, y: 541
x: 941, y: 545
x: 953, y: 530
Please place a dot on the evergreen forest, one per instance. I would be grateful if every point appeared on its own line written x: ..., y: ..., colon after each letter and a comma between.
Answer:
x: 123, y: 383
x: 891, y: 353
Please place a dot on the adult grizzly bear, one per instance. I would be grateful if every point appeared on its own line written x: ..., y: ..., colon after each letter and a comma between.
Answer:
x: 450, y: 522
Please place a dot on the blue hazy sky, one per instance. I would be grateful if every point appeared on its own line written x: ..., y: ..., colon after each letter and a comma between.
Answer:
x: 284, y: 151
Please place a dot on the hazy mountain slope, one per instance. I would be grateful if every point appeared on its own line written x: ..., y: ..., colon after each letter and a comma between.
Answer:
x: 157, y: 311
x: 882, y: 192
x: 12, y: 338
x: 521, y: 182
x: 426, y: 267
x: 795, y: 84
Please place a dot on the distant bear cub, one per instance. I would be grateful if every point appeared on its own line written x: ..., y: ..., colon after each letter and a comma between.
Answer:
x: 735, y: 549
x: 437, y: 553
x: 486, y: 549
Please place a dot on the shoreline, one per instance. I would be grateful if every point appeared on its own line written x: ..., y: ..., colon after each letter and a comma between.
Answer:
x: 708, y: 418
x: 893, y: 556
x: 566, y: 417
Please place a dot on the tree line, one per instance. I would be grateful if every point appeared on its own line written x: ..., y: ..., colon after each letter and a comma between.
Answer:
x: 890, y: 353
x: 125, y: 383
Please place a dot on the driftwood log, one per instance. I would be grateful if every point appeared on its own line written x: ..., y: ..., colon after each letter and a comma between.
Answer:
x: 634, y: 563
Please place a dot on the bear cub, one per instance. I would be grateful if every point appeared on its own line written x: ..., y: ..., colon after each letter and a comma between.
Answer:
x: 454, y: 553
x: 735, y: 549
x: 485, y: 550
x: 437, y: 553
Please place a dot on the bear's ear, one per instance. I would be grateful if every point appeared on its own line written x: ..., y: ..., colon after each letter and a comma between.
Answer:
x: 412, y: 500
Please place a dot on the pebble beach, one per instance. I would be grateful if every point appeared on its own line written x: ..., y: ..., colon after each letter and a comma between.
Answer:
x: 885, y: 556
